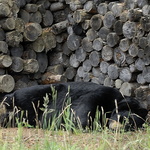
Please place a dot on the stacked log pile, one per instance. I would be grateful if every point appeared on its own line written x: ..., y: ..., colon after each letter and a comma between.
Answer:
x: 46, y: 41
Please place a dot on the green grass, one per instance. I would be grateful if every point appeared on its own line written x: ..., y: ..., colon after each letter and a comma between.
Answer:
x: 38, y: 139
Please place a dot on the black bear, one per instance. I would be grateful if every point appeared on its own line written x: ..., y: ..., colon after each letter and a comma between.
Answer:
x: 84, y: 98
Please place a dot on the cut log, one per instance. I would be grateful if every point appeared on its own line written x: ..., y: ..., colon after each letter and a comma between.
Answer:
x: 124, y: 16
x: 94, y: 58
x: 129, y: 29
x: 47, y: 18
x: 104, y: 67
x: 16, y: 51
x: 112, y: 39
x: 129, y: 59
x: 118, y: 83
x: 103, y: 32
x: 97, y: 44
x: 133, y: 50
x: 117, y: 9
x: 143, y: 42
x: 19, y: 24
x: 4, y: 10
x: 87, y: 65
x: 90, y: 7
x: 145, y: 23
x: 119, y: 56
x: 113, y: 71
x: 60, y: 27
x: 86, y: 24
x: 80, y: 72
x: 125, y: 75
x: 14, y: 38
x: 80, y: 54
x: 107, y: 53
x: 102, y: 8
x: 24, y: 15
x: 32, y: 31
x: 42, y: 61
x: 80, y: 15
x: 8, y: 24
x: 118, y: 27
x: 3, y: 47
x: 60, y: 38
x: 36, y: 17
x: 75, y: 6
x: 2, y: 34
x: 146, y: 74
x: 130, y: 4
x: 108, y: 82
x: 56, y: 69
x: 73, y: 42
x: 146, y: 10
x: 135, y: 15
x: 31, y: 8
x: 17, y: 64
x: 29, y: 54
x: 30, y: 66
x: 109, y: 19
x: 56, y: 6
x: 49, y: 39
x: 96, y: 21
x: 140, y: 79
x: 91, y: 34
x: 5, y: 61
x: 65, y: 49
x: 127, y: 89
x: 124, y: 44
x: 96, y: 71
x: 7, y: 83
x: 139, y: 64
x: 70, y: 73
x: 86, y: 45
x: 73, y: 61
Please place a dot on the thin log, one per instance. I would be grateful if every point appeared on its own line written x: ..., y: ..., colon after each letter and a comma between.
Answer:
x: 5, y: 61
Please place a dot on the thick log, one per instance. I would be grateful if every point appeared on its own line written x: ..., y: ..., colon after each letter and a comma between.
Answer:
x: 107, y: 53
x: 8, y: 24
x: 4, y: 10
x: 30, y: 66
x: 29, y: 54
x: 117, y: 9
x: 145, y: 23
x: 49, y: 78
x: 17, y: 64
x: 94, y: 57
x: 5, y: 61
x: 108, y: 82
x: 32, y: 31
x: 86, y: 45
x: 19, y: 25
x: 36, y: 17
x: 130, y: 4
x: 42, y: 61
x: 109, y: 19
x: 129, y: 59
x: 73, y: 61
x: 112, y: 39
x: 70, y: 73
x: 16, y: 51
x: 135, y: 15
x: 104, y: 67
x: 86, y: 24
x: 91, y: 34
x: 87, y: 65
x: 2, y: 34
x: 118, y: 27
x: 133, y: 50
x: 125, y: 75
x: 97, y: 44
x: 47, y: 18
x: 80, y: 72
x: 90, y: 7
x: 7, y: 83
x: 75, y: 6
x: 146, y: 10
x: 119, y: 56
x: 96, y: 71
x: 139, y: 64
x: 127, y: 89
x: 73, y: 42
x: 80, y: 15
x: 60, y: 27
x: 143, y: 41
x: 102, y: 8
x: 140, y: 79
x: 103, y: 32
x: 80, y: 54
x: 124, y: 44
x: 118, y: 83
x: 113, y: 71
x: 49, y: 39
x: 96, y: 21
x: 3, y: 47
x: 31, y: 8
x: 56, y: 6
x: 13, y: 38
x: 24, y: 15
x: 129, y: 29
x: 146, y: 74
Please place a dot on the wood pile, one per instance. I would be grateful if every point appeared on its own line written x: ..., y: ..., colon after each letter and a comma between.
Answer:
x: 47, y: 41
